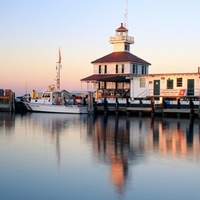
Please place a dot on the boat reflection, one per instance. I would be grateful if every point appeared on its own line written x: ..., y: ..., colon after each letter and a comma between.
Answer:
x: 54, y: 125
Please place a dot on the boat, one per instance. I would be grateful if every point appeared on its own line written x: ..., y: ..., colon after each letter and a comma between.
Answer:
x: 54, y: 100
x: 72, y: 109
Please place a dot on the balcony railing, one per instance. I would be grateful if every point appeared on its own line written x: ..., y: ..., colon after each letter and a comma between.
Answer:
x: 113, y: 93
x: 174, y: 92
x: 124, y: 38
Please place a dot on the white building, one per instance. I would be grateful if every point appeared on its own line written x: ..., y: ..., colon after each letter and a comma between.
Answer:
x: 121, y: 74
x: 172, y: 85
x: 110, y: 71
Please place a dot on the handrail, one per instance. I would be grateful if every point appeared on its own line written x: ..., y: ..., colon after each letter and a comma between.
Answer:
x: 113, y: 92
x: 188, y: 92
x: 143, y: 94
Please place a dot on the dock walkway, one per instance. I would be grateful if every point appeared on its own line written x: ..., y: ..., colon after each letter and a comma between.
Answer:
x: 7, y: 100
x: 148, y: 110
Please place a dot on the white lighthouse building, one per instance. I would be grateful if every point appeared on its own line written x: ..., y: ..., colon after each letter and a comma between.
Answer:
x: 121, y: 74
x: 110, y: 72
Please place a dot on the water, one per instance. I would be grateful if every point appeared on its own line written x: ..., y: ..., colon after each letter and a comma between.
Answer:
x: 52, y: 156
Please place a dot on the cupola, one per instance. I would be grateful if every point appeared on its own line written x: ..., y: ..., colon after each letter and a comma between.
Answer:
x: 121, y: 41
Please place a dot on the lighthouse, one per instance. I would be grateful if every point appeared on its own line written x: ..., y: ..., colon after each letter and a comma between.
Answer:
x: 121, y: 41
x: 110, y: 72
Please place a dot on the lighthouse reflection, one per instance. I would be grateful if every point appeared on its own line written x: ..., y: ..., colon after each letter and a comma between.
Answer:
x: 111, y: 143
x: 123, y: 142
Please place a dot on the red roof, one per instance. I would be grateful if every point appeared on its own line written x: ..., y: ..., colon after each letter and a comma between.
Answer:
x: 121, y: 57
x: 106, y: 77
x: 122, y: 28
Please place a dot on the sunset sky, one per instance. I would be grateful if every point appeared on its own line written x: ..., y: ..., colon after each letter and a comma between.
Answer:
x: 167, y: 34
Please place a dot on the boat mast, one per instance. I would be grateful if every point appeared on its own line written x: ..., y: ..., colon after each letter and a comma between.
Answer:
x: 58, y: 67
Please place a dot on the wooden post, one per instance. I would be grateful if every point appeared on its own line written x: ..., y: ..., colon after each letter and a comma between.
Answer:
x: 179, y: 104
x: 191, y: 108
x: 117, y: 106
x: 105, y: 106
x: 152, y: 106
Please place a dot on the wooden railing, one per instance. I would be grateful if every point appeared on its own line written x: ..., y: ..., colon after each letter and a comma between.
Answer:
x: 113, y: 93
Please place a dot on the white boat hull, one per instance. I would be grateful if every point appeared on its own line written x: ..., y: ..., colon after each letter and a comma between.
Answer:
x: 72, y: 109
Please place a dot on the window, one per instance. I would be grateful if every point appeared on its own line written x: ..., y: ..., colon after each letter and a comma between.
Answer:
x: 126, y: 47
x: 169, y: 84
x: 122, y: 68
x: 102, y: 85
x: 105, y: 69
x: 143, y: 69
x: 116, y: 69
x: 99, y: 69
x: 134, y: 69
x: 142, y: 82
x: 102, y: 69
x: 179, y: 82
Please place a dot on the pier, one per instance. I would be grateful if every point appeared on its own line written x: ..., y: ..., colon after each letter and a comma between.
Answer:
x: 121, y: 106
x: 150, y: 108
x: 7, y: 100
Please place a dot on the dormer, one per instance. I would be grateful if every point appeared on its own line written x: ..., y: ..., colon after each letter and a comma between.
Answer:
x: 121, y: 41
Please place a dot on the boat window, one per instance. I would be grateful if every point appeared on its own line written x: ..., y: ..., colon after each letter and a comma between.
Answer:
x: 57, y: 94
x: 46, y: 95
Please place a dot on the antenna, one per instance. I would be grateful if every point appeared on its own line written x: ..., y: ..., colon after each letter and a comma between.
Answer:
x: 126, y: 16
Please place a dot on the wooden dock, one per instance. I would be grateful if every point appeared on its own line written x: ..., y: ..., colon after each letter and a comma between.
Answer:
x: 149, y: 110
x: 7, y: 101
x: 134, y: 108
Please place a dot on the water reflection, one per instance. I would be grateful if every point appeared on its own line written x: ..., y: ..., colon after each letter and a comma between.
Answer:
x: 7, y: 121
x: 176, y: 137
x: 54, y: 125
x: 119, y: 143
x: 111, y: 141
x: 124, y: 142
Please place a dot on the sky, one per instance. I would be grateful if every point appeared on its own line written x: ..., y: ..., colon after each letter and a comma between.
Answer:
x: 167, y: 35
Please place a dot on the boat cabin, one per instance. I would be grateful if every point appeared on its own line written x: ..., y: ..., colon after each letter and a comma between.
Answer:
x: 51, y: 96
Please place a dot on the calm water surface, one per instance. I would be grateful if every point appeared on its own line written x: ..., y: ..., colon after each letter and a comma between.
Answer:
x: 72, y: 157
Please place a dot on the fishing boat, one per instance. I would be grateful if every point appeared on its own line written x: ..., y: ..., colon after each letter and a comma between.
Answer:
x: 71, y: 109
x: 54, y: 100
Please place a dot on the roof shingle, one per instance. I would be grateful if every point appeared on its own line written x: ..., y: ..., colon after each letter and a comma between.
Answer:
x: 121, y: 57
